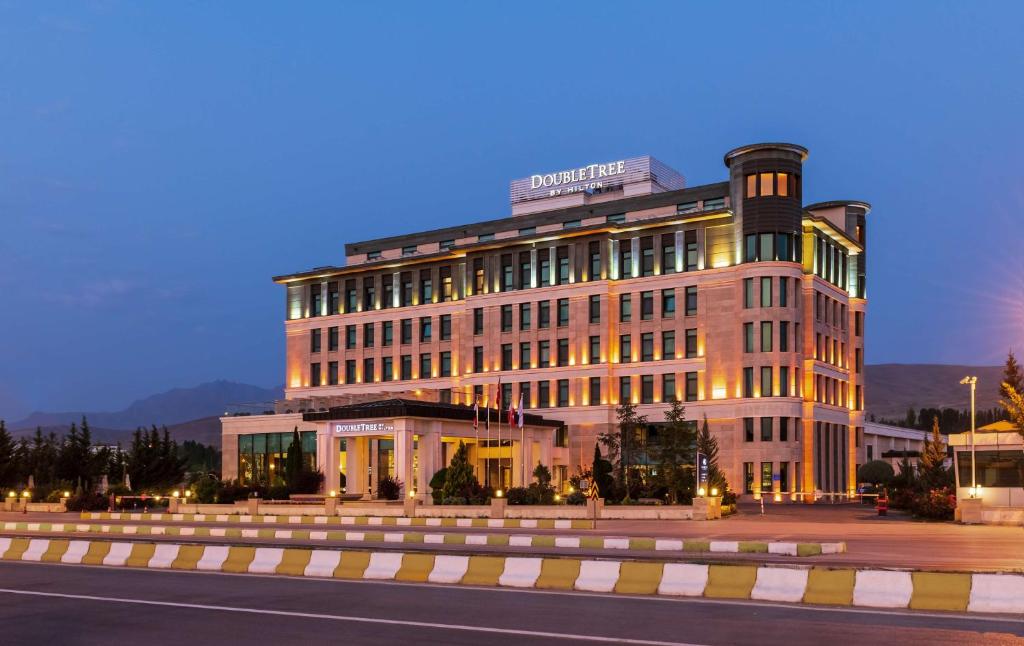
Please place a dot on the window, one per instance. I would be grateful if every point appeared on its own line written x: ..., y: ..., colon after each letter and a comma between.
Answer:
x: 333, y: 298
x: 446, y: 327
x: 507, y: 273
x: 625, y: 308
x: 668, y: 344
x: 595, y: 260
x: 714, y: 203
x: 350, y: 371
x: 447, y: 292
x: 767, y: 184
x: 618, y: 218
x: 478, y: 320
x: 426, y: 329
x: 525, y: 270
x: 485, y: 237
x: 766, y: 381
x: 563, y: 312
x: 784, y: 389
x: 595, y: 391
x: 766, y: 292
x: 524, y: 316
x: 388, y: 299
x: 544, y: 394
x: 858, y: 360
x: 544, y: 314
x: 478, y: 276
x: 595, y: 308
x: 405, y: 295
x: 387, y: 369
x: 767, y: 241
x: 544, y: 353
x: 783, y: 429
x: 524, y: 355
x: 691, y: 386
x: 425, y: 367
x: 368, y: 370
x: 506, y: 318
x: 858, y: 323
x: 524, y: 394
x: 562, y: 255
x: 545, y: 267
x: 783, y: 292
x: 314, y: 340
x: 315, y: 300
x: 350, y: 337
x: 647, y: 346
x: 332, y: 373
x: 690, y: 238
x: 646, y: 306
x: 625, y: 348
x: 369, y: 294
x: 625, y: 390
x: 668, y: 253
x: 668, y: 303
x: 748, y: 293
x: 766, y: 336
x: 478, y: 358
x: 595, y: 349
x: 446, y: 245
x: 668, y: 387
x: 686, y: 207
x: 405, y: 367
x: 350, y: 296
x: 748, y: 429
x: 647, y: 256
x: 748, y: 337
x: 528, y: 231
x: 748, y: 382
x: 691, y: 301
x: 314, y: 374
x: 766, y: 477
x: 332, y: 339
x: 506, y: 356
x: 446, y: 363
x: 406, y: 331
x: 563, y: 352
x: 782, y: 184
x: 691, y: 343
x: 571, y: 224
x: 783, y: 336
x: 647, y: 389
x: 426, y: 287
x: 748, y: 477
x: 563, y: 393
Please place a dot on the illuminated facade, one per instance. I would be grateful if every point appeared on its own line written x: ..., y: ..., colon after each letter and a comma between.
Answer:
x: 733, y: 297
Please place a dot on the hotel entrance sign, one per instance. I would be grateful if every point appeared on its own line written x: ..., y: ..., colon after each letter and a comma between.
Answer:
x: 365, y: 427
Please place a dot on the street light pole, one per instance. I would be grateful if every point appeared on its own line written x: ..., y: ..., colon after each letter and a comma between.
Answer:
x: 972, y: 382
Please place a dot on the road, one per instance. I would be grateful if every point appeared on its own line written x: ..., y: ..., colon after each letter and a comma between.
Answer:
x: 77, y: 605
x: 892, y: 541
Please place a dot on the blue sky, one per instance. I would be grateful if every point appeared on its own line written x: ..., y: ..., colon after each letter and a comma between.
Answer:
x: 159, y: 162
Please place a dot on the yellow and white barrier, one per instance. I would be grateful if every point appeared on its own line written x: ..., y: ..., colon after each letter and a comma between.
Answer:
x: 371, y: 521
x: 1002, y: 593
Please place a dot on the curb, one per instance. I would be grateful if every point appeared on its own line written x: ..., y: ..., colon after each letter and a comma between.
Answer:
x: 510, y: 540
x: 983, y: 593
x: 399, y: 521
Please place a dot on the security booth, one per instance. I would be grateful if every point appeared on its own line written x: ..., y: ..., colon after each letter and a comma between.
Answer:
x: 410, y: 440
x: 989, y: 474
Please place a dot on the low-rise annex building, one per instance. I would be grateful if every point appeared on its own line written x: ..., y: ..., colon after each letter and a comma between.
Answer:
x: 610, y: 282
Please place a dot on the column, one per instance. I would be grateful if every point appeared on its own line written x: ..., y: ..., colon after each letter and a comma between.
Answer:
x: 327, y: 458
x: 429, y: 463
x: 552, y: 265
x: 404, y: 454
x: 614, y: 271
x: 533, y: 269
x: 526, y: 460
x: 373, y: 458
x: 356, y: 461
x: 546, y: 441
x: 681, y: 252
x: 635, y: 253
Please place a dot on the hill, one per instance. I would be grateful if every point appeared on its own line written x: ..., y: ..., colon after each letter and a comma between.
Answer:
x: 894, y: 387
x: 175, y: 406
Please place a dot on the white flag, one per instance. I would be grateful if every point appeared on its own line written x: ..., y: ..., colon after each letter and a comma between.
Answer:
x: 521, y: 416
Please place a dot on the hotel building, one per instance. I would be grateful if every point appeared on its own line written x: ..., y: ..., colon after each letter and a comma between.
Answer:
x: 608, y: 283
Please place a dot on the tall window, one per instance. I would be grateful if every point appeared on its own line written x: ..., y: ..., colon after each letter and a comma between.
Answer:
x: 647, y: 346
x: 748, y: 382
x: 314, y: 374
x: 625, y: 390
x: 668, y: 344
x: 544, y: 394
x: 647, y: 256
x: 544, y: 314
x: 478, y: 320
x: 506, y: 356
x: 691, y: 250
x: 668, y: 253
x: 748, y: 337
x: 446, y: 327
x: 691, y: 386
x: 748, y: 293
x: 350, y: 371
x: 563, y: 352
x: 426, y: 329
x: 595, y: 260
x: 350, y: 337
x: 563, y: 392
x: 544, y: 353
x: 524, y: 355
x: 748, y: 429
x: 668, y: 303
x: 783, y: 292
x: 646, y: 306
x: 766, y: 336
x: 425, y: 367
x: 563, y: 312
x: 625, y: 308
x: 406, y: 331
x: 766, y: 291
x: 595, y: 391
x: 387, y: 333
x: 405, y: 368
x: 544, y: 267
x: 426, y: 287
x: 766, y: 381
x: 314, y: 340
x: 368, y: 370
x: 783, y: 336
x: 562, y: 254
x: 332, y: 339
x: 784, y: 389
x: 387, y: 369
x: 524, y: 316
x: 783, y: 430
x: 595, y: 349
x: 691, y: 301
x: 625, y: 348
x: 506, y: 318
x: 668, y: 387
x: 647, y: 389
x: 691, y: 343
x: 446, y: 363
x: 595, y: 308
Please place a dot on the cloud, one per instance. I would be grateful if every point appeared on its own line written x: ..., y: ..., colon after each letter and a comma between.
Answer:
x: 94, y: 293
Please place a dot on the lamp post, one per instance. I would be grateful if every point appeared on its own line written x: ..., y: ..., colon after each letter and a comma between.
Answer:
x: 972, y: 382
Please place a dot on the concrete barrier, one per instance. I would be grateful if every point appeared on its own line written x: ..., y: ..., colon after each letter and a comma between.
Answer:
x: 976, y: 593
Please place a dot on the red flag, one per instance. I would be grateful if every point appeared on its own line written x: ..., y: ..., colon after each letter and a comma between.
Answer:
x: 511, y: 414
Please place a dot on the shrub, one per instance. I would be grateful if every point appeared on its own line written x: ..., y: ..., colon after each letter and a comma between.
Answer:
x: 576, y: 498
x: 87, y: 502
x: 277, y: 492
x: 453, y: 500
x: 389, y: 488
x: 936, y: 504
x: 437, y: 485
x: 876, y: 472
x: 521, y: 496
x: 729, y: 498
x: 306, y: 481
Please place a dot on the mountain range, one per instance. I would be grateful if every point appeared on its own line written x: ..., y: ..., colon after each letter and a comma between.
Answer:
x: 192, y: 413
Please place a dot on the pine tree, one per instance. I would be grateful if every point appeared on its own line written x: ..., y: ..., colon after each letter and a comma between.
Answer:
x: 708, y: 445
x: 294, y: 463
x: 933, y: 455
x: 1012, y: 376
x: 1013, y: 402
x: 911, y: 419
x: 460, y: 480
x: 8, y: 466
x: 629, y: 422
x: 601, y: 471
x: 676, y: 454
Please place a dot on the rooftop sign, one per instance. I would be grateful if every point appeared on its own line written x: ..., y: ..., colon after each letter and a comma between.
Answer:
x: 594, y: 177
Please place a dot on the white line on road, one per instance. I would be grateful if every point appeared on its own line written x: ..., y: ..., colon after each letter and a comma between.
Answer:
x: 365, y: 620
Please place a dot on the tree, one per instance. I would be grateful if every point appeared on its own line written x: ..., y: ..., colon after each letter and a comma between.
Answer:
x: 460, y: 481
x: 629, y: 422
x: 676, y: 454
x: 8, y: 466
x: 876, y: 472
x: 1013, y: 402
x: 602, y: 473
x: 153, y: 460
x: 911, y: 418
x: 1013, y: 377
x: 708, y: 445
x: 294, y: 464
x: 932, y: 468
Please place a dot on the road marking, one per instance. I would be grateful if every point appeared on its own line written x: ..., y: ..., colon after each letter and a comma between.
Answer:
x: 350, y: 618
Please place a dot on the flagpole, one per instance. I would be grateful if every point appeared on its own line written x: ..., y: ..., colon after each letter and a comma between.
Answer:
x: 487, y: 424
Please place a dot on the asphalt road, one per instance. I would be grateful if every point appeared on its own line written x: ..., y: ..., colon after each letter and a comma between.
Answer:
x: 76, y: 605
x: 891, y: 541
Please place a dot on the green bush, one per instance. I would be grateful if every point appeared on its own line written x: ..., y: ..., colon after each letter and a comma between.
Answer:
x: 454, y: 500
x: 521, y: 496
x: 277, y: 492
x: 437, y: 485
x: 936, y: 504
x: 876, y: 472
x: 389, y: 488
x: 576, y: 498
x: 88, y: 502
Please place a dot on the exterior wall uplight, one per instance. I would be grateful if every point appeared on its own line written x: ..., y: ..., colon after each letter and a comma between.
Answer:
x: 25, y: 494
x: 174, y: 494
x: 67, y: 494
x: 714, y: 491
x: 701, y: 492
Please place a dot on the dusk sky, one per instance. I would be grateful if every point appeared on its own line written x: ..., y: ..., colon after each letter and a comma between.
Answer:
x: 160, y: 162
